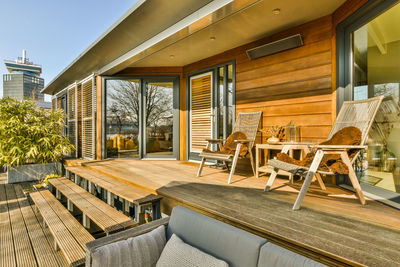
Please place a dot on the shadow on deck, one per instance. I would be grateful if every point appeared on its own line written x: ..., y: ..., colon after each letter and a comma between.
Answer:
x: 331, y: 227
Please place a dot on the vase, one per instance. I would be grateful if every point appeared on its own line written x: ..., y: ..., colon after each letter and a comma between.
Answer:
x: 273, y: 140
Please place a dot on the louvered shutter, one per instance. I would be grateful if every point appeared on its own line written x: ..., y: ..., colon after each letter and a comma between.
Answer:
x: 201, y: 111
x: 73, y: 118
x: 88, y: 121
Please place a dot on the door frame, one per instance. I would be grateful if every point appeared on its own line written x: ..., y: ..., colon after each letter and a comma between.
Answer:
x: 142, y: 79
x: 214, y: 69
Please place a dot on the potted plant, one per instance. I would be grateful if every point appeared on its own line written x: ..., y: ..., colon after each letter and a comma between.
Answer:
x: 31, y: 144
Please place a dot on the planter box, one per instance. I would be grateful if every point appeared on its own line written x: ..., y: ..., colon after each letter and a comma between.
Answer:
x: 32, y: 172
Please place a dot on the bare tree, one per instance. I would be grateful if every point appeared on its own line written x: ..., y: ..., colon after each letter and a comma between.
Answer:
x: 125, y: 99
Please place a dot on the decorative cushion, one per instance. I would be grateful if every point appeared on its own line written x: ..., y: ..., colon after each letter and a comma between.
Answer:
x: 178, y: 253
x: 140, y: 251
x: 230, y: 146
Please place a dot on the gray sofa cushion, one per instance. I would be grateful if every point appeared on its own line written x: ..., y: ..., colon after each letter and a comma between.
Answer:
x: 179, y: 254
x: 275, y: 256
x: 140, y: 251
x: 223, y: 241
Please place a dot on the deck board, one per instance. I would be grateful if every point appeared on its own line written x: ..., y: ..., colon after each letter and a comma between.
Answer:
x: 331, y: 224
x: 23, y: 249
x: 106, y: 217
x: 23, y: 241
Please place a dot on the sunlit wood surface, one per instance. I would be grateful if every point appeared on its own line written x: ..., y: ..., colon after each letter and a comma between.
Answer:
x: 331, y: 224
x: 23, y: 240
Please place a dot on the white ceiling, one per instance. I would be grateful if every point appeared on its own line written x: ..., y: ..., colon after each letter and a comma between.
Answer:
x: 249, y: 24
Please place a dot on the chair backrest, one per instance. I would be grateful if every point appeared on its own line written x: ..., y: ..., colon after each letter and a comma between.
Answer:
x: 248, y: 123
x: 360, y: 114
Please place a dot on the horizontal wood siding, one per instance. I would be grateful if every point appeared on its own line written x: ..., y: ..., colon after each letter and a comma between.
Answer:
x: 292, y: 85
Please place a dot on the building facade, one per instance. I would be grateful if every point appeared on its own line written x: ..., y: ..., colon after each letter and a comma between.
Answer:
x: 161, y: 91
x: 23, y: 80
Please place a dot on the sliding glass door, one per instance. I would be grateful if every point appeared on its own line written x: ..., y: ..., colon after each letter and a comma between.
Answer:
x: 376, y: 71
x: 142, y: 118
x: 160, y: 117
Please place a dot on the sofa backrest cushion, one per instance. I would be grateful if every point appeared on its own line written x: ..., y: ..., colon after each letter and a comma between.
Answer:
x: 178, y: 253
x: 272, y: 255
x: 142, y: 250
x: 223, y: 241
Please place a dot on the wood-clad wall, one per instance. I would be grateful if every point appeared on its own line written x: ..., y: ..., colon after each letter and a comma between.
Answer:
x: 297, y: 84
x: 291, y: 85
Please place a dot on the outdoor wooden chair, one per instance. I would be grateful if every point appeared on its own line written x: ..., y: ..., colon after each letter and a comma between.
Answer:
x: 360, y: 114
x: 246, y: 123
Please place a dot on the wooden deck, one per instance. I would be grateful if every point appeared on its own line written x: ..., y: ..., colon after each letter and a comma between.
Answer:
x: 332, y: 226
x: 23, y: 240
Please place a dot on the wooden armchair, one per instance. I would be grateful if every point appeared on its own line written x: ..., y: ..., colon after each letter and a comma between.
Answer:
x: 360, y: 114
x: 246, y: 123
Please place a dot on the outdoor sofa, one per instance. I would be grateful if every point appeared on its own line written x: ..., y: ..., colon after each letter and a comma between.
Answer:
x: 233, y: 246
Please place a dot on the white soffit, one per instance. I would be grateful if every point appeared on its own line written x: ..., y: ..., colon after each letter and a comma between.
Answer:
x: 125, y: 59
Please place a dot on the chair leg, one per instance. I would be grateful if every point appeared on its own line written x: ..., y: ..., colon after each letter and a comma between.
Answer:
x: 226, y: 165
x: 320, y: 181
x: 271, y: 180
x: 201, y: 167
x: 353, y: 177
x: 234, y: 161
x: 252, y: 162
x: 274, y: 173
x: 307, y: 181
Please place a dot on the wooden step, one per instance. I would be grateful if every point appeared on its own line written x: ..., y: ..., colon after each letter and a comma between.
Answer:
x: 70, y: 236
x: 103, y: 215
x: 123, y: 190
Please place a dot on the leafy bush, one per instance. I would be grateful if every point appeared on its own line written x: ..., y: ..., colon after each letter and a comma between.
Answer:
x: 29, y: 134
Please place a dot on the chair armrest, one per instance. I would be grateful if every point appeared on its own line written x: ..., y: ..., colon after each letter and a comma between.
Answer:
x: 297, y: 143
x: 242, y: 141
x: 338, y: 147
x: 211, y: 140
x: 123, y: 235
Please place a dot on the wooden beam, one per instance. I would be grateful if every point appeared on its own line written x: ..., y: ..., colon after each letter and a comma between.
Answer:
x: 376, y: 35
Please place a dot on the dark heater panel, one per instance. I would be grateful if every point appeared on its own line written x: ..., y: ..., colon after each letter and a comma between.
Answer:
x: 275, y: 47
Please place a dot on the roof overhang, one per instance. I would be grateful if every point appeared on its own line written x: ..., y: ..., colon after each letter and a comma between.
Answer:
x: 184, y: 32
x: 144, y: 20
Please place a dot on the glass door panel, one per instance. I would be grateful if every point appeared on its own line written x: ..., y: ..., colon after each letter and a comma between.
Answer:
x: 122, y: 115
x: 376, y: 71
x: 159, y: 119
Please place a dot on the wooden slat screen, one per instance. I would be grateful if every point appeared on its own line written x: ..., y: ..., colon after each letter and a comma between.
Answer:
x: 72, y: 118
x: 201, y: 120
x: 79, y: 118
x: 88, y: 130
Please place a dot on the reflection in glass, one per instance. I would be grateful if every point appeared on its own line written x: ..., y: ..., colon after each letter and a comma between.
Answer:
x: 122, y: 127
x: 231, y: 110
x: 376, y: 71
x: 159, y: 118
x: 221, y: 102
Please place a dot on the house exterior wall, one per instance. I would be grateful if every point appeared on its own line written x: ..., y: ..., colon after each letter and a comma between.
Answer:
x: 297, y: 84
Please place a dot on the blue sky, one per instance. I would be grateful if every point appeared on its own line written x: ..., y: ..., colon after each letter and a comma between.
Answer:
x: 53, y: 32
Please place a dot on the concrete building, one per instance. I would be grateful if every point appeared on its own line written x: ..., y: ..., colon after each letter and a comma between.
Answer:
x: 23, y: 80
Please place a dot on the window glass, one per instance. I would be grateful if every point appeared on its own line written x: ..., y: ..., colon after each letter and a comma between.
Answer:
x: 376, y: 71
x: 122, y: 115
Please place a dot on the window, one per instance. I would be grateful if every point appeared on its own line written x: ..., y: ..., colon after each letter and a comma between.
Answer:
x: 375, y: 70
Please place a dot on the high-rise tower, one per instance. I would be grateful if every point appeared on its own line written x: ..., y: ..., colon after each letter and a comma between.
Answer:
x: 23, y: 80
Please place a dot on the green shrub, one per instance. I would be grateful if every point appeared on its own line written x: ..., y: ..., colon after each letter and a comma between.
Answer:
x: 29, y: 134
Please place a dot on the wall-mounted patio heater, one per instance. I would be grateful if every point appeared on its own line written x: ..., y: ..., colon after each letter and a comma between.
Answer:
x: 275, y: 47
